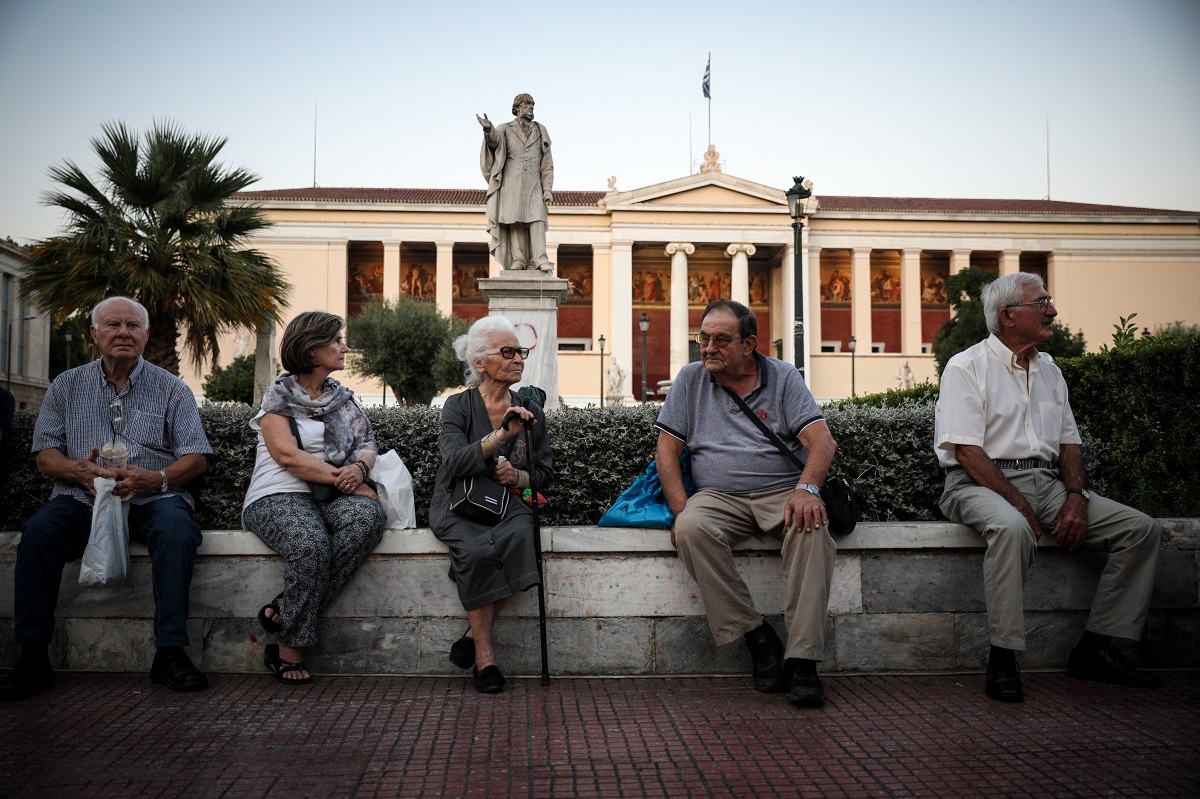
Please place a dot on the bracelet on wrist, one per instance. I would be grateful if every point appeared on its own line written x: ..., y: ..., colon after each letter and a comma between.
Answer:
x: 363, y: 468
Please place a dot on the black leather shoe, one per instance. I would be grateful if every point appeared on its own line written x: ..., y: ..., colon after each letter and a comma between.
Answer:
x: 804, y: 686
x: 26, y: 680
x: 766, y: 652
x: 462, y: 652
x: 174, y: 669
x: 490, y: 680
x: 1108, y: 665
x: 1004, y: 682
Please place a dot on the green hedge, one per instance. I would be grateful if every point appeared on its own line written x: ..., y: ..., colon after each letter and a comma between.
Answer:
x: 1137, y: 407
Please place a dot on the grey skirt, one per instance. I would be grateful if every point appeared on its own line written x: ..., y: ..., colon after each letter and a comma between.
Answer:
x: 488, y: 563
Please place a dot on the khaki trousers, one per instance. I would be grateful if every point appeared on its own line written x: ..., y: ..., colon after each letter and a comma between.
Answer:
x: 712, y: 523
x: 1130, y: 537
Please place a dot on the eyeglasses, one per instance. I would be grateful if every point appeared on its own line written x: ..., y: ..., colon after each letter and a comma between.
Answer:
x: 1045, y: 302
x: 722, y: 341
x: 509, y: 352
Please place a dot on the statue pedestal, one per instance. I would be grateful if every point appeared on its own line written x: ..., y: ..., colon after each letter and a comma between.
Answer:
x: 530, y: 301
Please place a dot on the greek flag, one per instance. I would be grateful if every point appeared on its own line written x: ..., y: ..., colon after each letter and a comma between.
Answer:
x: 704, y: 85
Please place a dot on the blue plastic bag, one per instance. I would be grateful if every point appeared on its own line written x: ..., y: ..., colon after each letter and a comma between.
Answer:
x: 643, y: 503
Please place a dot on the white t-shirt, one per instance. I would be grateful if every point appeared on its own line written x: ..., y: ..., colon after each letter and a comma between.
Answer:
x: 987, y: 401
x: 271, y: 478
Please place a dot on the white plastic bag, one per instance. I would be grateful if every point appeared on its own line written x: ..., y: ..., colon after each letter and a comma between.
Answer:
x: 106, y: 557
x: 394, y: 486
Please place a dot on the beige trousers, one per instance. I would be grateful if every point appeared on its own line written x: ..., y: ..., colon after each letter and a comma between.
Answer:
x: 1130, y: 537
x: 712, y: 523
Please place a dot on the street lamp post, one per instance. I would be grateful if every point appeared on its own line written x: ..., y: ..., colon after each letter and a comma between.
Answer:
x: 644, y: 326
x: 800, y: 191
x: 853, y: 347
x: 602, y: 371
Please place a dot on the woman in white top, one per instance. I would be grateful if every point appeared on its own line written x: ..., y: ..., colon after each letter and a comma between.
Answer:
x: 322, y: 517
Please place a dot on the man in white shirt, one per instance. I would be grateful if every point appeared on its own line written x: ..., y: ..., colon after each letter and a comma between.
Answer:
x: 1014, y: 469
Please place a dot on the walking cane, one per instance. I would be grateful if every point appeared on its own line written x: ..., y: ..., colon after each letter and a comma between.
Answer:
x: 537, y: 545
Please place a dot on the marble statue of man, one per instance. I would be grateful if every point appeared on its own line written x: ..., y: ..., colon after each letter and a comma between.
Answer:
x: 516, y: 162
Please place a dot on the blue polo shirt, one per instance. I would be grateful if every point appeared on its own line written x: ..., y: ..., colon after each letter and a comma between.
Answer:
x: 728, y: 451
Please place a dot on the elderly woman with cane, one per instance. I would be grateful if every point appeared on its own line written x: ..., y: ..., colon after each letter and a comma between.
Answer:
x: 483, y: 437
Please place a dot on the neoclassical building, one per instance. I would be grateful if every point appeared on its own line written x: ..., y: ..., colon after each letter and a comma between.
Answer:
x: 872, y: 269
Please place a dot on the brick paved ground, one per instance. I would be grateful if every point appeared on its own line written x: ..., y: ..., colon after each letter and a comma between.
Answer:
x: 118, y: 735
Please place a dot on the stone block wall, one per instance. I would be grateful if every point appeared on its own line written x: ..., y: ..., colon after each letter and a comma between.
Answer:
x: 906, y: 597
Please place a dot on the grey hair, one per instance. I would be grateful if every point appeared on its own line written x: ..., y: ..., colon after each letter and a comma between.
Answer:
x: 469, y: 347
x: 1004, y: 291
x: 100, y: 306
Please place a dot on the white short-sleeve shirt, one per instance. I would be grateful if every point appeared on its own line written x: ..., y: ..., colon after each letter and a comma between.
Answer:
x: 987, y: 400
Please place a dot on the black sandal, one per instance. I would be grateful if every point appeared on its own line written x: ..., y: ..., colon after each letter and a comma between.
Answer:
x: 268, y: 624
x: 279, y: 667
x: 462, y: 652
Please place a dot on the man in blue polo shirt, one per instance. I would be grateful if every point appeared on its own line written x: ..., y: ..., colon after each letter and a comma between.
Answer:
x: 118, y: 397
x: 747, y: 487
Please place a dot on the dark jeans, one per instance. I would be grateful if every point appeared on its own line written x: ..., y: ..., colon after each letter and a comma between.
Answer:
x: 59, y: 533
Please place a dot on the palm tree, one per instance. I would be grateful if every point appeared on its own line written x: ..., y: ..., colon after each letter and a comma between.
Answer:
x: 158, y: 226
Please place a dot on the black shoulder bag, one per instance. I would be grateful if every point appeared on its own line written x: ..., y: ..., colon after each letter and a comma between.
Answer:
x: 836, y: 493
x: 477, y: 496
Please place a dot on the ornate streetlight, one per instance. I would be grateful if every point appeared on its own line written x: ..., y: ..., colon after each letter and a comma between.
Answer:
x: 853, y: 347
x: 644, y: 326
x: 800, y: 191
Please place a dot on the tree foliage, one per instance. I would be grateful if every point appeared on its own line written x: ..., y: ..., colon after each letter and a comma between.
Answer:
x: 157, y: 224
x: 968, y: 325
x: 233, y: 383
x: 407, y: 343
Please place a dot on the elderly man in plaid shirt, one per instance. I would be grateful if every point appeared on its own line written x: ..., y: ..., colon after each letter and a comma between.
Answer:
x: 116, y: 397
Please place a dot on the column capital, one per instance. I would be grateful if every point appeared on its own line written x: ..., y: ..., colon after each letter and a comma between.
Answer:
x: 680, y: 246
x: 863, y: 250
x: 445, y: 246
x: 736, y: 247
x: 622, y: 246
x: 911, y: 251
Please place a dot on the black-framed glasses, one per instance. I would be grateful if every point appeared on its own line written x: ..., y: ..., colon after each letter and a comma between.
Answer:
x: 1045, y: 302
x: 509, y: 352
x: 722, y: 341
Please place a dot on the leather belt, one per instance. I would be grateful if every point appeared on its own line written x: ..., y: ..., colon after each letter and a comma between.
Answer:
x: 1022, y: 464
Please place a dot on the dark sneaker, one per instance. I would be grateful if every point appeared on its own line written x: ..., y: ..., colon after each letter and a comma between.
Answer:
x: 804, y: 686
x: 1004, y: 681
x: 174, y: 669
x: 1108, y: 665
x: 25, y: 680
x: 766, y: 652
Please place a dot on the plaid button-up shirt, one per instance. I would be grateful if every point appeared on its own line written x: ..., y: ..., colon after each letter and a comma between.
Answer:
x: 159, y: 422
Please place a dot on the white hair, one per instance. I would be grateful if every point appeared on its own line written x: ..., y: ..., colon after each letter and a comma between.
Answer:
x: 470, y: 346
x: 1005, y: 291
x: 100, y: 306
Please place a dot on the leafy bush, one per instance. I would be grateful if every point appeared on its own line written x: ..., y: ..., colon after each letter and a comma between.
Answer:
x: 1138, y: 402
x: 232, y: 383
x: 1136, y: 407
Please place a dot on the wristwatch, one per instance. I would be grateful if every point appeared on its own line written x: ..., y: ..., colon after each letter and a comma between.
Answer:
x: 1083, y: 492
x: 163, y: 488
x: 815, y: 490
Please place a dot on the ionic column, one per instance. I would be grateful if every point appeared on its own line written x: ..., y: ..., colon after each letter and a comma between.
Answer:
x: 1058, y: 282
x: 678, y: 251
x: 787, y: 306
x: 959, y: 260
x: 391, y: 270
x: 910, y: 301
x: 860, y: 297
x: 338, y: 274
x: 812, y: 301
x: 602, y: 296
x: 740, y: 284
x: 445, y: 277
x: 621, y: 316
x: 1010, y: 262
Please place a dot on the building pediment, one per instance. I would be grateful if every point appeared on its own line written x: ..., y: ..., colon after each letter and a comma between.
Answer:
x: 704, y: 191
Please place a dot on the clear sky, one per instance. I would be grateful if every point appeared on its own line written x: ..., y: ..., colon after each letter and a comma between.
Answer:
x: 937, y: 99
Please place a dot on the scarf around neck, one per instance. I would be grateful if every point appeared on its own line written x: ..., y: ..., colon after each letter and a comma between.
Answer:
x: 347, y: 431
